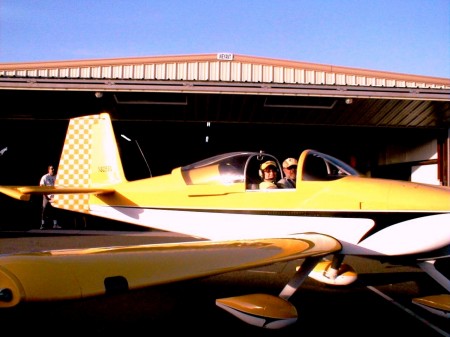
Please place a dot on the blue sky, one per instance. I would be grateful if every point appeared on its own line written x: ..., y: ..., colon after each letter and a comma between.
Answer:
x: 403, y: 36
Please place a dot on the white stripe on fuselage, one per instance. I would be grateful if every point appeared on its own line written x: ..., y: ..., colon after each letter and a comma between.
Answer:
x: 413, y: 236
x: 229, y: 226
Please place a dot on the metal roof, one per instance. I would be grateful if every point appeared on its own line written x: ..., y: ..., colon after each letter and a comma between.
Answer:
x: 219, y: 67
x: 233, y: 88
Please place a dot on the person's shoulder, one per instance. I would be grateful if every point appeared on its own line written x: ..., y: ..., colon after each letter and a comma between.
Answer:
x: 44, y: 178
x: 282, y: 181
x: 265, y: 184
x: 286, y: 183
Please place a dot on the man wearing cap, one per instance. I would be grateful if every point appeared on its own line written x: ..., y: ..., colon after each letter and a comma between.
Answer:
x: 268, y: 172
x: 290, y: 173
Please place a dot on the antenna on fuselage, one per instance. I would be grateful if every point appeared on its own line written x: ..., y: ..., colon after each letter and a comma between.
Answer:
x: 140, y: 150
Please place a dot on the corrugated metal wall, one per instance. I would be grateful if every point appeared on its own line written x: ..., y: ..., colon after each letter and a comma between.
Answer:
x: 234, y: 68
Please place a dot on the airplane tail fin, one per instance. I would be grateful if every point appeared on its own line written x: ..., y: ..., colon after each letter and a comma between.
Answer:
x: 90, y: 158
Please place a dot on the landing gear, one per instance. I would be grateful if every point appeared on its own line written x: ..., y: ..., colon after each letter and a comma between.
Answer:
x: 334, y: 272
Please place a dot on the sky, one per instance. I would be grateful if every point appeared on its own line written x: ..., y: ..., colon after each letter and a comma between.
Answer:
x: 402, y: 36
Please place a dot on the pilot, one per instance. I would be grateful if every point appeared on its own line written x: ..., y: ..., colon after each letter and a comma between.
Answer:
x: 290, y: 173
x: 268, y: 173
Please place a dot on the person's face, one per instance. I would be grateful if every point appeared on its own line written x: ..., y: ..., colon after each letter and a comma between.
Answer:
x: 51, y: 170
x: 270, y: 173
x: 290, y: 172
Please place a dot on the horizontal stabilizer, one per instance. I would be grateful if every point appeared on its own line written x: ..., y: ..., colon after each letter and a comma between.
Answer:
x: 24, y: 192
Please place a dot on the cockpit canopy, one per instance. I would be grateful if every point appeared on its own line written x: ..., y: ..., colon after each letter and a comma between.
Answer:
x: 244, y: 167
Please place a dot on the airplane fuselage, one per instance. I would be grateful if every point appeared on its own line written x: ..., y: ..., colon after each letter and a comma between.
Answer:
x: 365, y: 215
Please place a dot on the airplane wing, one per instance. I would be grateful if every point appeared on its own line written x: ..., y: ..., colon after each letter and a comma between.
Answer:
x: 24, y: 192
x: 80, y: 273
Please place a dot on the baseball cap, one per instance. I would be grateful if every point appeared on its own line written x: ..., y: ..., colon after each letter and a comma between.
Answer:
x: 267, y: 164
x: 290, y: 162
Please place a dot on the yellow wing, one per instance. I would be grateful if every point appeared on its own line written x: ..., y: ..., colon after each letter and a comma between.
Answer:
x: 79, y: 273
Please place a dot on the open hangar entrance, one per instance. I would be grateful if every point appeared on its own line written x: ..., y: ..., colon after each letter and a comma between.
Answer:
x: 175, y: 129
x: 385, y: 130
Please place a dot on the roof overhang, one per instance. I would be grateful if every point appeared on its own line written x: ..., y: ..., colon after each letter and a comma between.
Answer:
x: 205, y: 87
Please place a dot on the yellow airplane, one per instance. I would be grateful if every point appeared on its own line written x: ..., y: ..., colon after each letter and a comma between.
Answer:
x: 333, y: 212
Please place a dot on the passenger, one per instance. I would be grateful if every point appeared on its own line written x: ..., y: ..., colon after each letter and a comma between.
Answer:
x: 268, y: 173
x: 290, y: 174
